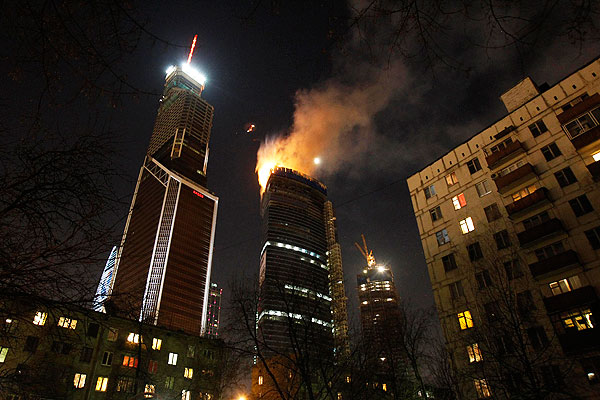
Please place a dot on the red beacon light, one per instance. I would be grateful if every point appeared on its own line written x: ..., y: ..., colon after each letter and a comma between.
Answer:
x: 198, y: 194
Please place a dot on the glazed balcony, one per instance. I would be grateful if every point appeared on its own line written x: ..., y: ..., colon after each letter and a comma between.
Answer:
x: 540, y: 232
x: 537, y: 198
x: 581, y: 297
x: 586, y: 138
x: 594, y: 169
x: 514, y: 178
x: 579, y: 109
x: 560, y: 261
x: 580, y: 341
x: 513, y: 149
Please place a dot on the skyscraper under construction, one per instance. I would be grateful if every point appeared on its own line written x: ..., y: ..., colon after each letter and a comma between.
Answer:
x: 162, y: 273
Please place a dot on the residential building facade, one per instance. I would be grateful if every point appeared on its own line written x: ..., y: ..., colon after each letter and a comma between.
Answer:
x: 510, y: 226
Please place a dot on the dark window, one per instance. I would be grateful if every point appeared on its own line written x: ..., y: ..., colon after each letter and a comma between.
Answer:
x: 483, y: 279
x: 504, y: 345
x: 492, y: 312
x: 581, y: 205
x: 31, y: 344
x: 591, y: 368
x: 502, y: 239
x: 492, y: 212
x: 474, y: 165
x: 565, y: 177
x: 525, y: 303
x: 552, y: 376
x: 513, y: 270
x: 551, y: 151
x: 61, y: 347
x: 537, y: 337
x: 442, y: 237
x: 429, y: 191
x: 474, y: 250
x: 536, y: 220
x: 126, y: 384
x: 449, y: 262
x: 107, y: 358
x: 593, y: 236
x: 436, y: 213
x: 92, y: 330
x: 537, y: 128
x: 86, y: 354
x: 549, y: 251
x: 456, y: 290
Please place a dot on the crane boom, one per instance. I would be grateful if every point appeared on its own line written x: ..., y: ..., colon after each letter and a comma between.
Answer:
x: 367, y: 254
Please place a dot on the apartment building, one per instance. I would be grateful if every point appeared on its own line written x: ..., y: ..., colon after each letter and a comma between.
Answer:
x: 510, y: 226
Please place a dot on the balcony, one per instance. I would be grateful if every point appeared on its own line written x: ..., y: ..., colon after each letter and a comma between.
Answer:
x: 563, y: 260
x: 583, y: 296
x: 539, y: 197
x: 540, y: 232
x: 513, y: 179
x: 513, y: 149
x: 594, y: 169
x: 578, y: 109
x: 580, y: 341
x: 586, y: 138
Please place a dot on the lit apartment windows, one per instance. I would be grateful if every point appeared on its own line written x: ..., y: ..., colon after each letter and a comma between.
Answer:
x: 483, y: 279
x: 565, y: 177
x: 474, y: 165
x: 169, y: 382
x: 67, y: 323
x: 565, y: 285
x: 451, y: 179
x: 474, y: 353
x: 492, y: 212
x: 536, y: 220
x: 101, y: 384
x: 107, y: 359
x: 40, y: 318
x: 551, y: 151
x: 186, y: 395
x: 459, y: 201
x: 483, y: 188
x: 449, y: 262
x: 596, y: 156
x: 149, y: 391
x: 549, y: 251
x: 482, y: 388
x: 526, y: 191
x: 429, y: 191
x: 172, y: 359
x: 583, y: 123
x: 513, y: 270
x: 436, y: 214
x: 133, y: 337
x: 126, y: 384
x: 466, y: 225
x: 79, y: 380
x: 261, y: 379
x: 156, y: 343
x: 593, y: 236
x: 474, y: 250
x: 112, y: 335
x: 581, y: 205
x: 537, y: 128
x: 3, y: 353
x: 464, y: 320
x: 188, y: 373
x: 456, y: 290
x: 577, y: 320
x: 442, y: 237
x: 130, y: 361
x: 537, y: 337
x: 502, y: 239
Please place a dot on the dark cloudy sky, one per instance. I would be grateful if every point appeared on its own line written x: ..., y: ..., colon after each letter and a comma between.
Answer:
x: 257, y: 59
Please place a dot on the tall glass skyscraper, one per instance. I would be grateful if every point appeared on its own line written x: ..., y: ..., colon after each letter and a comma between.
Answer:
x: 162, y: 273
x: 295, y: 269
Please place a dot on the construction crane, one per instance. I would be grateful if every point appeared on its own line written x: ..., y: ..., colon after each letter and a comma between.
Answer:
x: 367, y: 254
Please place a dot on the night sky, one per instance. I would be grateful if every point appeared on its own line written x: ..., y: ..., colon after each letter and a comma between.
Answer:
x: 256, y: 61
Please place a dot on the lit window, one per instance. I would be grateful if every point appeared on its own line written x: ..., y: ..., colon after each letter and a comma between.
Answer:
x: 451, y: 179
x: 482, y: 388
x: 133, y: 337
x: 67, y: 323
x: 596, y: 156
x: 524, y: 192
x: 172, y: 358
x: 459, y: 201
x: 169, y: 382
x: 348, y: 379
x: 79, y: 380
x: 466, y: 225
x: 474, y: 353
x: 260, y: 379
x: 130, y: 361
x: 188, y: 373
x: 365, y: 302
x: 186, y: 395
x: 384, y: 387
x: 3, y: 353
x: 156, y: 343
x: 40, y: 318
x: 565, y: 285
x: 101, y: 384
x: 112, y: 334
x: 580, y: 320
x: 339, y: 396
x: 465, y: 321
x: 149, y: 391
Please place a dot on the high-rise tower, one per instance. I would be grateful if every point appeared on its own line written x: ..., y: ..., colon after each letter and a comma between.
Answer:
x: 213, y: 315
x: 162, y: 274
x: 295, y: 268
